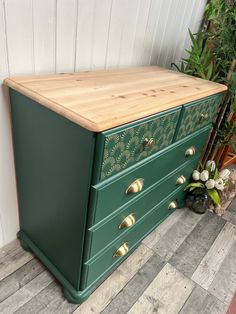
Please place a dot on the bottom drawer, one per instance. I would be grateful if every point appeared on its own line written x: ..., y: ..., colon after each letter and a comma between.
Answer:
x: 98, y: 267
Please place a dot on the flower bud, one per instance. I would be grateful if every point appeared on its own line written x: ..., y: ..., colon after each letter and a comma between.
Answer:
x: 196, y: 175
x: 211, y: 165
x: 224, y: 174
x: 210, y: 184
x: 219, y: 184
x: 204, y: 175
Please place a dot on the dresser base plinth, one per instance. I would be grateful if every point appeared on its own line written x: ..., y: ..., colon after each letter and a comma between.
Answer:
x: 77, y: 297
x: 71, y: 294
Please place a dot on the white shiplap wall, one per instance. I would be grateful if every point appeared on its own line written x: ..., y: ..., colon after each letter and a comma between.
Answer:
x: 42, y: 36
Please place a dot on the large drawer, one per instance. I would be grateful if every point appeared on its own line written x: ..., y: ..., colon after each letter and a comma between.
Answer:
x: 108, y: 196
x: 198, y: 114
x: 97, y: 267
x: 124, y: 146
x: 102, y: 234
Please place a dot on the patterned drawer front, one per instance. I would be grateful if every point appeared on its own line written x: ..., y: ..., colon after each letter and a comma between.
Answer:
x: 126, y: 145
x: 98, y: 266
x: 198, y: 114
x: 108, y: 197
x: 102, y: 235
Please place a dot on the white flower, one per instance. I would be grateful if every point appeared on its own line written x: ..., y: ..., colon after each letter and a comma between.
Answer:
x: 196, y: 175
x: 204, y: 175
x: 210, y: 184
x: 224, y: 174
x: 211, y: 165
x: 219, y: 184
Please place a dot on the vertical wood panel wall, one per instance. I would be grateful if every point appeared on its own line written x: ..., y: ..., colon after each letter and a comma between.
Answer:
x: 46, y: 36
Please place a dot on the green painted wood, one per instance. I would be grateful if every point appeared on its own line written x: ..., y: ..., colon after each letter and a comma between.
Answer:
x: 108, y: 196
x: 191, y: 119
x: 123, y: 146
x: 56, y: 161
x: 72, y: 294
x: 103, y: 234
x: 53, y: 158
x: 96, y: 268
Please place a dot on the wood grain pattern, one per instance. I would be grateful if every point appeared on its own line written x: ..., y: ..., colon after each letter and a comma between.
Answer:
x: 115, y: 282
x: 13, y: 260
x: 230, y: 214
x: 161, y: 296
x: 42, y: 36
x: 172, y: 240
x: 49, y: 300
x: 19, y: 278
x: 155, y: 236
x: 105, y: 99
x: 224, y: 284
x: 200, y: 301
x: 26, y: 293
x: 210, y: 264
x: 190, y: 253
x: 135, y: 287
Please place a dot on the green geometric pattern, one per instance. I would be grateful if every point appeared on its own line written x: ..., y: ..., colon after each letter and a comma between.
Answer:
x: 125, y: 147
x: 192, y: 121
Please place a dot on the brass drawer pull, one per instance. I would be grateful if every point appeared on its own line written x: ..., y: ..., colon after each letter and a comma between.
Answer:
x: 190, y: 151
x: 123, y: 249
x: 173, y: 205
x: 181, y: 180
x: 149, y: 142
x: 128, y: 221
x: 204, y: 116
x: 136, y: 186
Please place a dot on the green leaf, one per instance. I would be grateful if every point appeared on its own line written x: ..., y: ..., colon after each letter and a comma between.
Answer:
x: 209, y: 71
x: 216, y: 175
x: 195, y: 185
x: 194, y: 41
x: 214, y: 195
x: 201, y: 165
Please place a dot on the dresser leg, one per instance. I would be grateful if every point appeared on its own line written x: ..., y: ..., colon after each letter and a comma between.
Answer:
x: 78, y: 298
x: 23, y: 244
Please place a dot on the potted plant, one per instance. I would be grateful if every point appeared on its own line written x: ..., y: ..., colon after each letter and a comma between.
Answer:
x: 206, y: 187
x: 212, y: 56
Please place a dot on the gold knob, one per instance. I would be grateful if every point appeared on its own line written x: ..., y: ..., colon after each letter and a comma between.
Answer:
x: 149, y: 142
x: 172, y: 205
x: 181, y: 180
x: 136, y: 186
x: 123, y: 249
x: 128, y: 221
x: 204, y: 116
x: 190, y: 151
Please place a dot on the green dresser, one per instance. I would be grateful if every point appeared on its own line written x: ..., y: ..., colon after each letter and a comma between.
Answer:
x: 101, y: 159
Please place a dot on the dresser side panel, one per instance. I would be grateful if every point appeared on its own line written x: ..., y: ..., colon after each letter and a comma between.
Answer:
x: 53, y: 158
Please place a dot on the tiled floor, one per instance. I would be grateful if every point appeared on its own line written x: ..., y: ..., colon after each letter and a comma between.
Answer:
x: 187, y: 265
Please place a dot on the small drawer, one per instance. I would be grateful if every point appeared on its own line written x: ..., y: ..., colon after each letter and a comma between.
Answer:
x: 107, y: 197
x: 101, y: 235
x: 95, y: 268
x: 198, y: 114
x: 124, y: 146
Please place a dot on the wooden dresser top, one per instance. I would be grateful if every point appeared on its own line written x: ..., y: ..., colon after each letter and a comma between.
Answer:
x: 105, y: 99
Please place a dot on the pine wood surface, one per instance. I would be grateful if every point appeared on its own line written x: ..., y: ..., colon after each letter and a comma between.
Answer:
x: 198, y: 278
x: 105, y: 99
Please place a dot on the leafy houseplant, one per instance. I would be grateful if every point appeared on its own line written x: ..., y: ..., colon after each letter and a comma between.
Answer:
x: 206, y: 187
x: 213, y: 57
x: 200, y: 61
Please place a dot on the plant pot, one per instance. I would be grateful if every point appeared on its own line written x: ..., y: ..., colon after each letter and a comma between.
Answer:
x: 198, y: 202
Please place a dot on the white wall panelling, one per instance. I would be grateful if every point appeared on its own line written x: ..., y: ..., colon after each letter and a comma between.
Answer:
x: 47, y: 36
